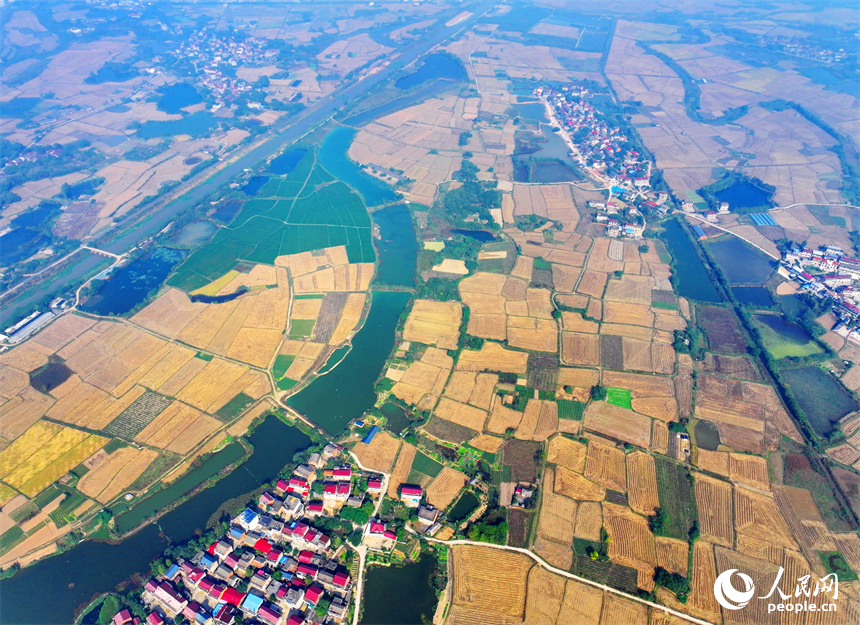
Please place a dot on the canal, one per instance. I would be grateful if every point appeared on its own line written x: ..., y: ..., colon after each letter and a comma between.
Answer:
x: 50, y: 591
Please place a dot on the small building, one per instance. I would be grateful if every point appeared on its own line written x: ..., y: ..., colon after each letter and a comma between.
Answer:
x: 122, y: 617
x: 374, y: 486
x: 411, y: 495
x: 373, y: 430
x: 427, y: 515
x: 711, y: 216
x: 699, y: 233
x: 313, y: 594
x: 724, y: 207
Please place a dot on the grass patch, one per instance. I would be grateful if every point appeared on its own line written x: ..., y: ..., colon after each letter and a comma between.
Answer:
x: 835, y: 563
x: 12, y: 537
x: 302, y: 328
x: 234, y: 407
x: 309, y: 296
x: 619, y: 397
x: 677, y: 500
x: 784, y: 339
x: 202, y: 356
x: 665, y: 305
x: 286, y: 384
x: 426, y: 465
x: 570, y: 409
x: 282, y: 364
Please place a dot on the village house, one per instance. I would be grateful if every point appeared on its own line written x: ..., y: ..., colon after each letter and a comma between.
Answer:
x: 411, y: 495
x: 377, y: 537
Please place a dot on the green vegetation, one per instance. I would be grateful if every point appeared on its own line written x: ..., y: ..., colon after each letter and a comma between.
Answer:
x: 426, y: 465
x: 570, y: 409
x: 282, y: 364
x: 529, y: 223
x: 110, y: 607
x: 834, y: 562
x: 485, y: 532
x: 197, y: 125
x: 678, y: 502
x: 288, y: 216
x: 598, y: 392
x: 473, y: 196
x: 464, y: 138
x: 301, y: 328
x: 234, y: 407
x: 672, y: 581
x: 112, y: 72
x: 783, y: 339
x: 619, y: 397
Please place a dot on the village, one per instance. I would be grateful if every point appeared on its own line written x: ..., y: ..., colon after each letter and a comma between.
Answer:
x: 827, y: 273
x: 605, y: 153
x: 274, y: 566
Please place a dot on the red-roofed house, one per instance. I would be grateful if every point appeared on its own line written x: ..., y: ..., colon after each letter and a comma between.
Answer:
x: 263, y: 545
x: 298, y: 486
x: 306, y: 556
x: 122, y: 617
x: 154, y: 618
x: 411, y: 495
x: 233, y: 596
x: 269, y: 614
x: 378, y: 537
x: 343, y: 473
x: 295, y: 619
x: 314, y: 508
x: 314, y: 594
x: 341, y: 579
x: 374, y: 486
x: 308, y: 570
x: 282, y: 485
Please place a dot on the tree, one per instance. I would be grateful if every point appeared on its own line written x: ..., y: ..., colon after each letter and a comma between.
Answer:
x: 672, y: 581
x: 657, y: 522
x: 464, y: 138
x: 322, y: 606
x: 643, y: 249
x: 598, y: 392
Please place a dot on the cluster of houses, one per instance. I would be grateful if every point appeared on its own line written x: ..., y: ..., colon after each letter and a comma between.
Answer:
x: 272, y: 567
x: 796, y: 46
x: 210, y: 51
x: 602, y: 145
x: 836, y: 277
x: 32, y: 157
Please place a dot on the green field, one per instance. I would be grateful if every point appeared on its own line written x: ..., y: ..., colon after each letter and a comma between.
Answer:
x: 302, y: 328
x: 234, y: 407
x: 290, y: 214
x: 784, y: 339
x: 834, y: 562
x: 569, y: 409
x: 619, y: 397
x: 282, y: 363
x: 197, y: 125
x: 677, y: 500
x: 426, y: 465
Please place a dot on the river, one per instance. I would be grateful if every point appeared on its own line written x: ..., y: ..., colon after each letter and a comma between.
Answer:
x: 63, y: 583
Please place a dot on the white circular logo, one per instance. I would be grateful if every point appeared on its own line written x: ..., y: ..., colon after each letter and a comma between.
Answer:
x: 727, y: 595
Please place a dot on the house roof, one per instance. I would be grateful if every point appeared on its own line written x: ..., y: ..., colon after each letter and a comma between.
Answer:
x: 252, y: 603
x: 341, y: 579
x: 313, y: 594
x: 306, y: 556
x: 411, y: 490
x: 263, y: 545
x: 154, y: 618
x: 269, y: 613
x: 233, y: 596
x: 295, y: 619
x: 306, y: 569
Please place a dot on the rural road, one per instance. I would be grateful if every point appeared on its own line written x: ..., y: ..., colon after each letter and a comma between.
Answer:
x: 362, y: 551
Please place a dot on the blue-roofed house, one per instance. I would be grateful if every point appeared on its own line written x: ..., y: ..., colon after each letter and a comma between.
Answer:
x: 173, y: 572
x: 700, y: 234
x: 208, y: 561
x: 248, y: 519
x: 366, y: 440
x: 252, y: 603
x: 237, y: 533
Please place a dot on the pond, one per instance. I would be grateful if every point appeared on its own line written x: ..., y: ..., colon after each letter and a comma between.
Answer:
x: 284, y: 163
x: 48, y: 377
x: 756, y: 296
x: 783, y: 338
x: 439, y: 65
x: 791, y: 305
x: 219, y: 299
x: 533, y: 111
x: 196, y: 233
x: 333, y: 156
x: 255, y: 183
x: 400, y: 595
x: 396, y: 417
x: 176, y: 97
x: 72, y: 578
x: 479, y: 235
x: 707, y: 435
x: 740, y: 263
x: 465, y: 506
x: 397, y: 245
x: 744, y: 195
x: 821, y: 396
x: 20, y: 243
x: 692, y: 281
x: 346, y: 392
x: 129, y: 286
